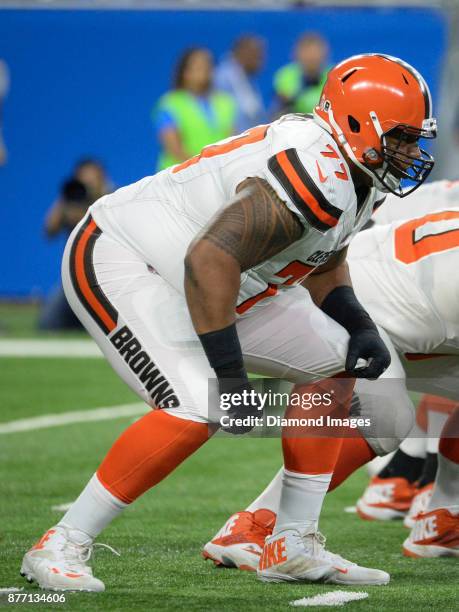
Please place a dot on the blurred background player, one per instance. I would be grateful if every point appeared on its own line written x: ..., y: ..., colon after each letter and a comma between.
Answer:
x: 435, y: 528
x: 194, y: 114
x: 237, y: 75
x: 403, y: 487
x: 88, y: 183
x: 298, y: 85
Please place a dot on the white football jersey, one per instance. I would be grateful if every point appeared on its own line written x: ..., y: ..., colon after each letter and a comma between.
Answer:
x: 159, y: 216
x: 406, y: 274
x: 426, y: 199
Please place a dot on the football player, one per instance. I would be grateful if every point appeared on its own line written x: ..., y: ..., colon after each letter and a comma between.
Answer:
x: 435, y: 528
x: 405, y: 273
x: 403, y: 487
x: 188, y: 278
x: 408, y: 478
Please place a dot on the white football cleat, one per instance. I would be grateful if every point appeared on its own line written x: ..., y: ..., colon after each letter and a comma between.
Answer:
x: 419, y: 505
x: 289, y: 556
x: 386, y: 499
x: 240, y: 541
x: 58, y: 563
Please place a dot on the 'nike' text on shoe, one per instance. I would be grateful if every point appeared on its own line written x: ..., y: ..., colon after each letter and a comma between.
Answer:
x: 289, y: 556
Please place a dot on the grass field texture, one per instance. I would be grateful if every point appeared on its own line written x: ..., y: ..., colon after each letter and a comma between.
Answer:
x: 161, y: 535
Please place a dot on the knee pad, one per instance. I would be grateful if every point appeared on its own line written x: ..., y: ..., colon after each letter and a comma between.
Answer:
x: 387, y: 409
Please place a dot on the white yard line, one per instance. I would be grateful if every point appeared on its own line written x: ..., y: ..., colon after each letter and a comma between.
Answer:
x: 48, y: 348
x: 62, y: 507
x: 77, y: 416
x: 332, y: 598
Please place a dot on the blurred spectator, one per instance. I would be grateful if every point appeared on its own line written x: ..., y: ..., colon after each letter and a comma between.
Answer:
x: 236, y: 74
x: 193, y: 114
x: 88, y: 183
x: 299, y: 84
x: 4, y: 88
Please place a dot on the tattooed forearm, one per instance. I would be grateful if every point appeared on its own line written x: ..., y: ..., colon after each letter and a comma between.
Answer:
x: 256, y: 226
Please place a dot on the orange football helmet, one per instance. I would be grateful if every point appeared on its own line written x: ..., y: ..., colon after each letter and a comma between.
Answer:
x: 373, y: 103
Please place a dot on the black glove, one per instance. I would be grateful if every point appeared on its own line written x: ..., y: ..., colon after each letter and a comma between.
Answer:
x: 234, y: 382
x: 367, y: 344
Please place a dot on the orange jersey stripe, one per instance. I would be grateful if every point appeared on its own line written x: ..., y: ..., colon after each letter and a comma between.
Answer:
x: 408, y: 250
x: 269, y: 292
x: 251, y: 136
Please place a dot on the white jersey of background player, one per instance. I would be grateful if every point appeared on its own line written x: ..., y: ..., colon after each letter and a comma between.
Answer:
x: 405, y: 272
x: 429, y: 197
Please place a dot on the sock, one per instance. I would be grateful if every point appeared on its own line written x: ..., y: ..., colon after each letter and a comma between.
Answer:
x: 414, y: 444
x: 143, y: 455
x: 354, y: 453
x: 429, y: 470
x: 421, y: 412
x: 435, y: 423
x: 94, y: 509
x: 403, y: 466
x: 301, y: 501
x: 446, y: 489
x: 309, y: 458
x: 269, y: 499
x: 437, y: 409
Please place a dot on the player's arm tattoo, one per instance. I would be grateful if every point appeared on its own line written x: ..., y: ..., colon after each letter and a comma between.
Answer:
x: 255, y: 226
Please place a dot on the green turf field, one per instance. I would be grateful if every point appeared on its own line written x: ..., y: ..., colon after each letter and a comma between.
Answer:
x: 160, y: 537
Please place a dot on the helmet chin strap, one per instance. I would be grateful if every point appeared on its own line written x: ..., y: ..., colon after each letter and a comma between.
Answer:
x: 392, y: 182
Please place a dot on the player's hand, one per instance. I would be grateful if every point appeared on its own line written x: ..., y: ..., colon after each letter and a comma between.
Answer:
x: 367, y: 344
x: 243, y: 403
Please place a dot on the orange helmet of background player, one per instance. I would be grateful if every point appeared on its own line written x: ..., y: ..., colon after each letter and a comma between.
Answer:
x: 370, y: 98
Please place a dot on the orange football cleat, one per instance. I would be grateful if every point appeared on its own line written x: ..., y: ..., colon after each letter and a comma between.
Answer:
x: 386, y: 498
x: 435, y: 534
x: 418, y: 505
x: 240, y: 541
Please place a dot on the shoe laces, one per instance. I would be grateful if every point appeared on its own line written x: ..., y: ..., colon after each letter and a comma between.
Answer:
x: 77, y: 555
x: 317, y: 541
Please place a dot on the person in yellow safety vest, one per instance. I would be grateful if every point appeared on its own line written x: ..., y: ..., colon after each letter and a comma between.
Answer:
x: 193, y: 114
x: 298, y: 85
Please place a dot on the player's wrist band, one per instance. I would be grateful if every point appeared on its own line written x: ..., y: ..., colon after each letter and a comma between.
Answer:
x: 342, y: 305
x: 224, y: 352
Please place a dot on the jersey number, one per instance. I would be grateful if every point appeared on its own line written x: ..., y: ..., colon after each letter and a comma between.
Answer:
x: 255, y: 134
x: 294, y: 272
x: 427, y: 235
